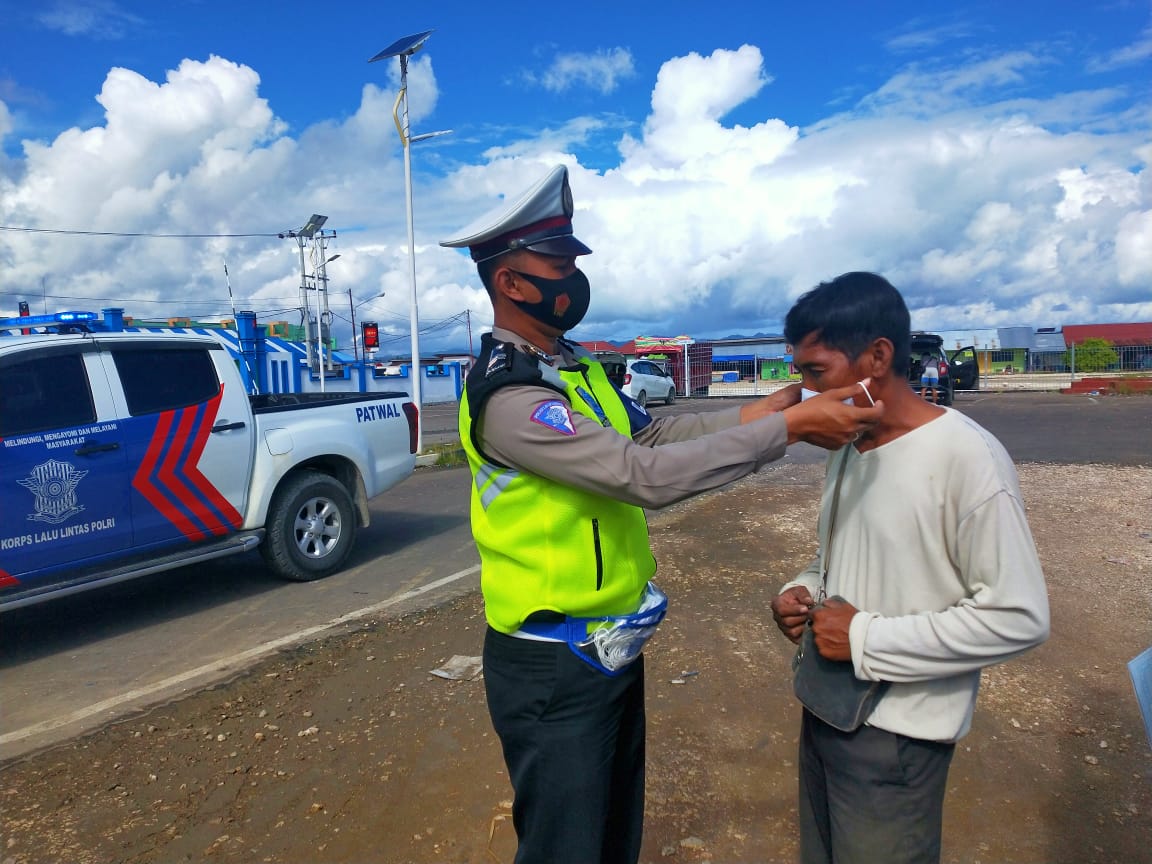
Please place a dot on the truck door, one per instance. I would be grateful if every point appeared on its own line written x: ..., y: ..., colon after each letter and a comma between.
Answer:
x: 964, y: 368
x: 189, y: 440
x: 63, y: 478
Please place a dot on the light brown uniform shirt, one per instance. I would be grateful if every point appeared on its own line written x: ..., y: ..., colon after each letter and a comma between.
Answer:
x: 670, y: 459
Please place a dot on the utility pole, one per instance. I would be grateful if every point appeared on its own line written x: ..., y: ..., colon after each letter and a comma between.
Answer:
x: 355, y: 343
x: 308, y: 232
x: 322, y: 287
x: 468, y: 318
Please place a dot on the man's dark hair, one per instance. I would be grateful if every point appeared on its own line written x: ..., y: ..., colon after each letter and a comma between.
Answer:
x: 485, y: 269
x: 850, y: 312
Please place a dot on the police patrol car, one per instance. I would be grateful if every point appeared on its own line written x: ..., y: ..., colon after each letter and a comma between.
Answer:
x: 127, y: 453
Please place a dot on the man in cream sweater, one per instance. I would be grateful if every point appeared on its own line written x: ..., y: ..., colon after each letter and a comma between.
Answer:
x: 932, y: 555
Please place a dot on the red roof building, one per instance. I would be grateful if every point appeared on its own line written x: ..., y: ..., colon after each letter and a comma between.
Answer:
x: 595, y: 345
x: 1117, y: 334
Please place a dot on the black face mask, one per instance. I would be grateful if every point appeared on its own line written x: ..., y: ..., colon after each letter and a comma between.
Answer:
x: 563, y: 302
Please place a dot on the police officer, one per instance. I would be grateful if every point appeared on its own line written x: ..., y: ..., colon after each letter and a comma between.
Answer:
x: 562, y: 465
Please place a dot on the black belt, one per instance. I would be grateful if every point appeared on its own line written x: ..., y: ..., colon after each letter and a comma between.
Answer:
x: 545, y: 616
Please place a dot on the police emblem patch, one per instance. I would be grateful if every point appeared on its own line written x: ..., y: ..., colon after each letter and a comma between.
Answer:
x: 554, y: 414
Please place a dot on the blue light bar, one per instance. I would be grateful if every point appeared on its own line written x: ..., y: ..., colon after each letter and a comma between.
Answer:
x: 48, y: 320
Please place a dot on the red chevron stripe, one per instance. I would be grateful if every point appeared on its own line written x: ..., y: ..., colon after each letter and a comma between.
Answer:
x: 191, y: 470
x: 7, y: 580
x: 142, y: 479
x: 172, y: 483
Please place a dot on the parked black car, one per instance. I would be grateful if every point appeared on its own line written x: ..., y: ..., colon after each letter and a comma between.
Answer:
x: 958, y: 370
x: 615, y: 366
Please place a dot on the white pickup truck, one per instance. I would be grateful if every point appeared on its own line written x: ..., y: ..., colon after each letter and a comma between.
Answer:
x: 123, y: 454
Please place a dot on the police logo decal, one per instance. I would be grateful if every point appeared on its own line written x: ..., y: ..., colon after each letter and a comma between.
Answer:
x: 554, y: 414
x: 54, y: 485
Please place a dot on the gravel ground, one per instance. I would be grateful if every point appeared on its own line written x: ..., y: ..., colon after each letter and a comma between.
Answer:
x: 348, y: 750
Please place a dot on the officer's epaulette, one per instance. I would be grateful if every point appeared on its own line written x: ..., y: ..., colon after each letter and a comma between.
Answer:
x: 501, y: 364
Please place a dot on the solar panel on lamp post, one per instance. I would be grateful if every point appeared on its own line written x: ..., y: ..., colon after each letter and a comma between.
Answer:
x: 404, y: 48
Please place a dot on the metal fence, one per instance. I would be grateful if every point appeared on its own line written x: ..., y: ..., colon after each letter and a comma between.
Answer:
x: 1095, y: 360
x: 698, y: 372
x: 992, y: 383
x: 1031, y: 371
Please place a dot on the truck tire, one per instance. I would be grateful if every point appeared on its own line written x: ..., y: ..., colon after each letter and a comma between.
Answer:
x: 310, y: 529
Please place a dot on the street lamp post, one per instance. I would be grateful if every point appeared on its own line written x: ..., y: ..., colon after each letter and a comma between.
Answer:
x: 405, y: 48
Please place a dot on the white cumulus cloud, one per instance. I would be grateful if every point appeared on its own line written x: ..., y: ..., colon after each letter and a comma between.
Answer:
x: 985, y: 208
x: 601, y: 71
x: 99, y: 19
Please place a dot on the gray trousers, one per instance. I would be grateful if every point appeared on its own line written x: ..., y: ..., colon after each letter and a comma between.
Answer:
x: 870, y: 796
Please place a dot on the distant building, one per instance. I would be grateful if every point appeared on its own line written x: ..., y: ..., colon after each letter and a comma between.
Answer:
x: 1139, y: 334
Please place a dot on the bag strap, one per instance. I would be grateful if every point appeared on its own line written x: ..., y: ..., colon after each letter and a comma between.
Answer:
x: 826, y: 546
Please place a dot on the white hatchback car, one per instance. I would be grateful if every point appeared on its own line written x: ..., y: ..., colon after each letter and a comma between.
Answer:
x: 645, y: 381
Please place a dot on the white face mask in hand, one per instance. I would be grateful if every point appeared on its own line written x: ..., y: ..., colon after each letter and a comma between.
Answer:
x: 806, y: 394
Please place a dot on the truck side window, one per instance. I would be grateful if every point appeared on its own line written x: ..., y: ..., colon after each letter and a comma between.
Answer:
x: 163, y: 379
x: 44, y: 393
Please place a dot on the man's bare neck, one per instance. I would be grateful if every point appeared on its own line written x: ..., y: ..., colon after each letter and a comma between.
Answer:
x: 903, y: 412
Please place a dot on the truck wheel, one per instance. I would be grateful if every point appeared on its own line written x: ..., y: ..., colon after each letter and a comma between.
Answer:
x: 311, y: 527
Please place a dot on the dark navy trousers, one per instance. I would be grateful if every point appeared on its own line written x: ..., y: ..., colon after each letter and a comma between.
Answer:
x: 573, y: 742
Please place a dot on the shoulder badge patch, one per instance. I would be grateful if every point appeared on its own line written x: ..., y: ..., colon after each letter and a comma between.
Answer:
x: 497, y: 361
x: 554, y: 414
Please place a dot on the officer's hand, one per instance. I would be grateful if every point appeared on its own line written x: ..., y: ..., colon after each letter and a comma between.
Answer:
x: 830, y: 623
x: 825, y: 421
x: 773, y: 403
x: 790, y: 611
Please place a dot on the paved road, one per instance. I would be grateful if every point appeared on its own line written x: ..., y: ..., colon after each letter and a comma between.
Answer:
x: 72, y: 664
x: 75, y: 663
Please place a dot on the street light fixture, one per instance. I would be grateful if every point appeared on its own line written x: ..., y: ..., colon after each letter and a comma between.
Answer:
x: 404, y: 48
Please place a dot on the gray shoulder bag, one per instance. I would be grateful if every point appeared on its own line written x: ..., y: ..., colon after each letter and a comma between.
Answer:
x: 830, y: 688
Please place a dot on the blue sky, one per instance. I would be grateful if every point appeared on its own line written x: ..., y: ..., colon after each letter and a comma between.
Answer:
x: 990, y: 158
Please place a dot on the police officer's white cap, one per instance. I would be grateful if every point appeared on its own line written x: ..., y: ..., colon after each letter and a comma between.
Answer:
x: 540, y: 220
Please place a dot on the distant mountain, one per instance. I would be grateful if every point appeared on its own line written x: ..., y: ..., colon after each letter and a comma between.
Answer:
x: 753, y: 336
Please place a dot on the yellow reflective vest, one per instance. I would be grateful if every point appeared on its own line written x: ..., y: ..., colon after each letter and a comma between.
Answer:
x: 544, y: 545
